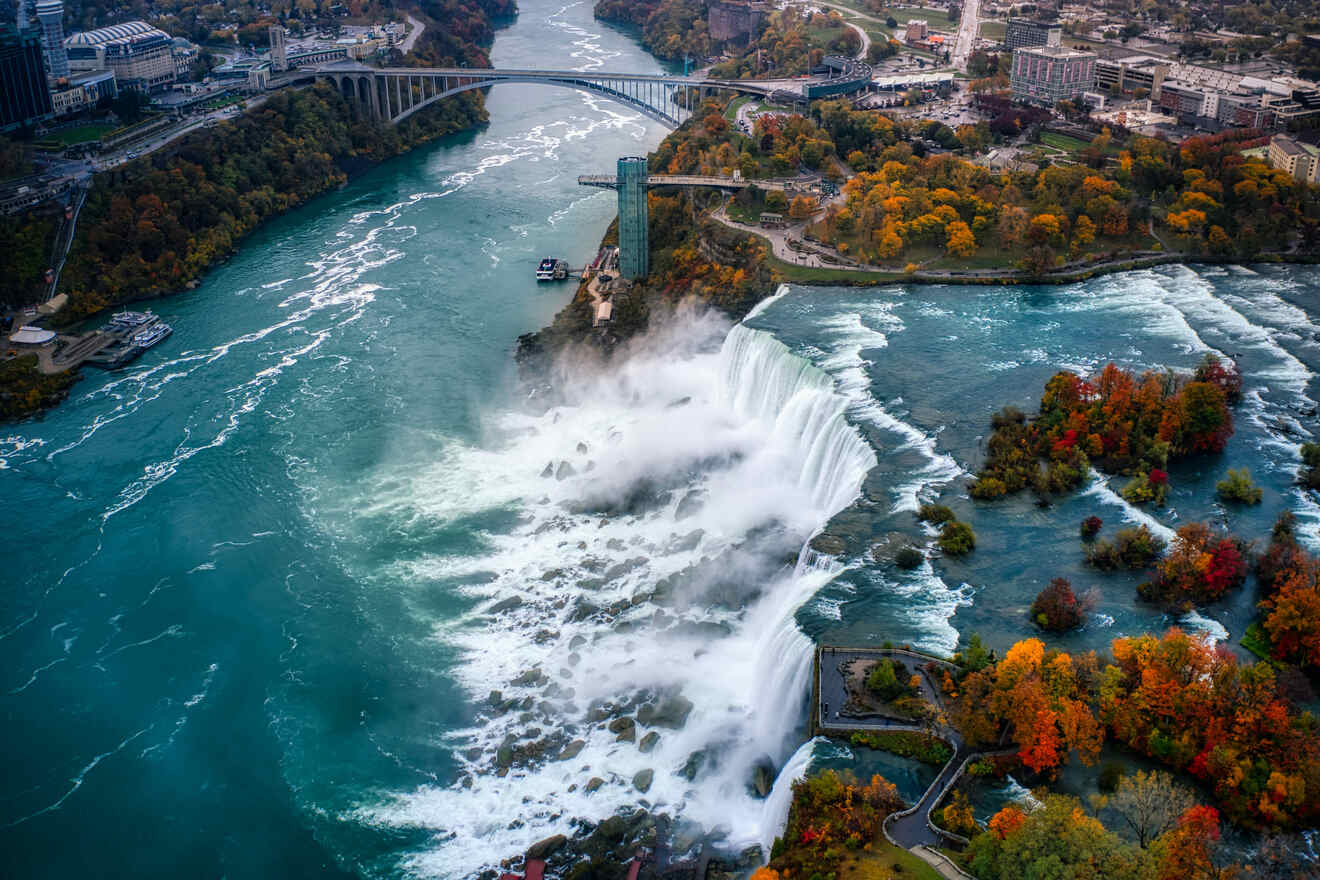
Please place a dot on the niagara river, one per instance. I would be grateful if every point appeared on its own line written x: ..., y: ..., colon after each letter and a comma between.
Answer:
x: 317, y: 589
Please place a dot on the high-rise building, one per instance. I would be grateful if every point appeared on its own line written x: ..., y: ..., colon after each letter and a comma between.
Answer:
x: 1022, y: 33
x: 1046, y: 75
x: 634, y: 247
x: 279, y: 54
x: 141, y: 56
x: 24, y: 89
x: 50, y: 15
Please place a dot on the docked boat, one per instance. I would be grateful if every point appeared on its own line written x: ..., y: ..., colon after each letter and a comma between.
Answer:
x: 546, y: 271
x: 155, y: 333
x: 125, y: 320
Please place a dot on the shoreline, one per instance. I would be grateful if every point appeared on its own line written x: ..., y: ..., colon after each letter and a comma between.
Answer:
x: 1061, y: 278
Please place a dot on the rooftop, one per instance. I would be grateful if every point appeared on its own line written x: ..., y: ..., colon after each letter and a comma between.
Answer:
x: 1055, y: 52
x: 115, y: 33
x: 1289, y: 146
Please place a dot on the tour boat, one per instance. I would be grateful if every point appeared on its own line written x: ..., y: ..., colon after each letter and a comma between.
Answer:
x: 122, y: 320
x: 546, y: 271
x: 153, y: 334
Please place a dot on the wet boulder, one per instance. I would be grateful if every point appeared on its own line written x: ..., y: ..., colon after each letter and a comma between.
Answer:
x: 763, y: 775
x: 669, y: 711
x: 506, y: 605
x: 543, y: 849
x: 692, y: 766
x: 625, y: 729
x: 649, y: 742
x: 642, y: 781
x: 829, y: 545
x: 687, y: 542
x: 691, y: 503
x: 572, y: 750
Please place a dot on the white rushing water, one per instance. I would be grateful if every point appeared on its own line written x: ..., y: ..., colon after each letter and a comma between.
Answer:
x: 663, y: 511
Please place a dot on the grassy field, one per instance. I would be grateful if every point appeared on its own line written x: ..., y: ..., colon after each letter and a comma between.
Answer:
x: 80, y: 135
x: 821, y: 37
x: 938, y: 19
x: 884, y: 861
x: 789, y: 272
x: 994, y: 30
x: 731, y: 112
x: 1063, y: 142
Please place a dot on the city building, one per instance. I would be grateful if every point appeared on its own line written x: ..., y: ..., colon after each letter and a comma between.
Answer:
x: 83, y: 91
x: 740, y: 22
x: 24, y: 89
x: 1023, y: 33
x: 184, y: 54
x: 315, y: 56
x: 917, y: 29
x: 634, y: 247
x: 141, y: 56
x: 50, y: 18
x: 279, y: 53
x: 1129, y: 74
x: 1300, y: 160
x: 1046, y: 75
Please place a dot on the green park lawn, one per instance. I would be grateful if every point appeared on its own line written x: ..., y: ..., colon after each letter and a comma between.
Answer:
x: 81, y: 134
x: 1063, y: 142
x: 884, y: 861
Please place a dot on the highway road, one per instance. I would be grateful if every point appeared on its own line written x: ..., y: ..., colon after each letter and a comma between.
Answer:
x: 967, y: 30
x: 417, y: 27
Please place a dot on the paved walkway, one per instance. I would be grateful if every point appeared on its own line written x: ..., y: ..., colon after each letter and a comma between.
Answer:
x: 914, y: 828
x: 940, y: 865
x: 778, y: 239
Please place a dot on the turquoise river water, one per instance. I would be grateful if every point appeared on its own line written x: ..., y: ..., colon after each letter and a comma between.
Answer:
x: 260, y: 584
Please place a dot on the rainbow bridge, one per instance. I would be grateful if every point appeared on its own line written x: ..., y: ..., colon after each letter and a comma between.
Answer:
x: 392, y: 94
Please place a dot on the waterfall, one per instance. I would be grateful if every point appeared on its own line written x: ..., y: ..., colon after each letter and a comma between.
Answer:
x: 763, y: 380
x: 819, y: 451
x: 775, y: 812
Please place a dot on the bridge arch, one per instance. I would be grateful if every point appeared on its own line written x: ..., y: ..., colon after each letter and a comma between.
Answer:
x: 651, y: 96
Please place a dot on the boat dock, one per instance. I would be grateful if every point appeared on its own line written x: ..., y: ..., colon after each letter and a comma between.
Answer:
x: 122, y: 346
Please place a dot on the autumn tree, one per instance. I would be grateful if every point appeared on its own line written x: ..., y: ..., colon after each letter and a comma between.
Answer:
x: 1057, y: 839
x: 1043, y: 698
x: 802, y: 207
x: 961, y: 243
x: 1179, y: 700
x: 1056, y: 607
x: 1200, y: 567
x: 1149, y: 804
x: 1191, y: 850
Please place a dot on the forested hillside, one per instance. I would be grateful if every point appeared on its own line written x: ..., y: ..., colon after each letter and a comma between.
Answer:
x: 159, y: 222
x: 170, y: 218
